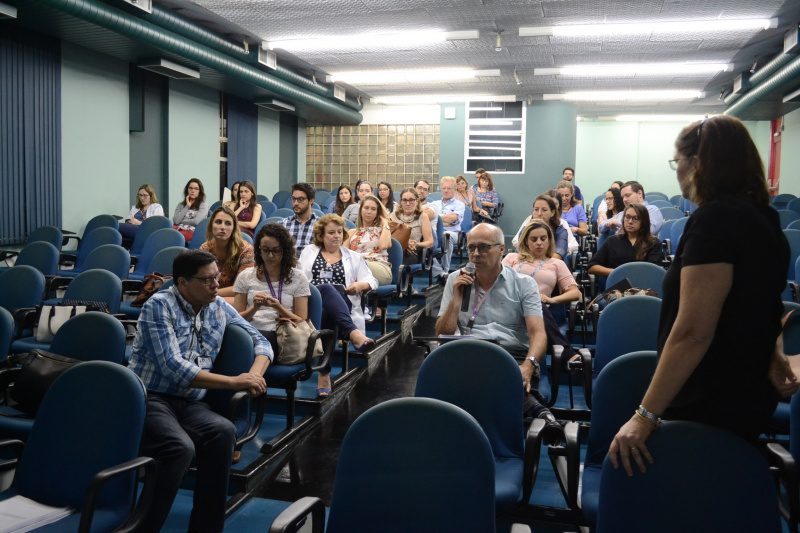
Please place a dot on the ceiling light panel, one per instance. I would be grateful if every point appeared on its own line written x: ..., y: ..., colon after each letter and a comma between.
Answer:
x: 645, y: 28
x: 368, y: 41
x: 641, y: 69
x: 384, y: 77
x: 625, y: 96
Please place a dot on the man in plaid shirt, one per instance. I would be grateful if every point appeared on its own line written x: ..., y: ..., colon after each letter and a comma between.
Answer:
x: 301, y: 224
x: 178, y: 339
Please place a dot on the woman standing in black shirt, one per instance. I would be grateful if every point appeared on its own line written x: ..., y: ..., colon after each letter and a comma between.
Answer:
x: 720, y: 355
x: 634, y: 243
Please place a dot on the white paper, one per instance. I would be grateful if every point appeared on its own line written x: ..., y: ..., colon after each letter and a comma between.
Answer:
x: 20, y: 514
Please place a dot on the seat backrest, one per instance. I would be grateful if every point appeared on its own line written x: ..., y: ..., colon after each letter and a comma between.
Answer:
x: 794, y: 205
x: 100, y: 221
x: 466, y: 222
x: 247, y: 238
x: 666, y: 229
x: 283, y: 212
x: 49, y: 234
x: 213, y: 207
x: 92, y: 336
x: 261, y: 198
x: 315, y: 307
x: 641, y: 274
x: 677, y: 231
x: 791, y: 334
x: 111, y: 257
x: 148, y: 226
x: 483, y: 379
x: 349, y: 224
x: 98, y: 286
x: 656, y: 195
x: 395, y: 259
x: 162, y: 261
x: 41, y: 255
x: 596, y: 206
x: 787, y: 217
x: 322, y: 197
x: 434, y: 196
x: 90, y: 419
x: 675, y: 200
x: 199, y: 235
x: 267, y: 207
x: 794, y: 225
x: 96, y: 238
x: 6, y: 329
x: 783, y: 199
x: 235, y: 357
x: 658, y: 202
x: 21, y: 286
x: 671, y: 213
x: 402, y: 468
x: 288, y: 203
x: 626, y: 325
x: 279, y: 198
x: 705, y: 478
x: 273, y: 219
x: 793, y: 236
x: 616, y: 394
x: 158, y: 240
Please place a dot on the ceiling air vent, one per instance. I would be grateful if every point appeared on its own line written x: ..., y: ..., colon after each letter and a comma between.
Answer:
x: 165, y: 67
x: 144, y: 5
x: 791, y: 41
x: 339, y: 93
x: 267, y: 58
x: 275, y: 105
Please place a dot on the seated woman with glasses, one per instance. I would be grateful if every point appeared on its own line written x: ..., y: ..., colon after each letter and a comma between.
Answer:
x: 372, y: 238
x: 633, y: 243
x: 410, y: 213
x: 535, y: 258
x: 146, y: 206
x: 613, y: 206
x: 192, y: 210
x: 363, y: 189
x: 233, y: 254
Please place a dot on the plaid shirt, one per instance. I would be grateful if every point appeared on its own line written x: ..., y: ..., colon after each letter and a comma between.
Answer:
x: 165, y: 350
x: 302, y: 233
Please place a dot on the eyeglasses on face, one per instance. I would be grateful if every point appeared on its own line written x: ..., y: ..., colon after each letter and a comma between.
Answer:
x: 673, y: 163
x: 276, y: 252
x: 298, y: 199
x: 194, y: 188
x: 210, y: 280
x: 408, y: 200
x: 144, y: 195
x: 481, y: 248
x: 421, y: 188
x: 629, y: 218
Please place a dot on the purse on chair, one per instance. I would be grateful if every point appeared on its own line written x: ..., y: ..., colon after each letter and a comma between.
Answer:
x: 152, y: 284
x: 293, y: 342
x: 39, y: 371
x: 53, y: 316
x: 401, y: 232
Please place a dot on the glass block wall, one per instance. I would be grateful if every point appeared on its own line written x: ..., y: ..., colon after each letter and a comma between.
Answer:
x: 398, y: 153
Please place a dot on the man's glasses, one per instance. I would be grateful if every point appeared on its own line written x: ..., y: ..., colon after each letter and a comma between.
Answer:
x: 298, y: 199
x: 481, y: 248
x: 210, y: 280
x: 276, y: 252
x: 424, y: 189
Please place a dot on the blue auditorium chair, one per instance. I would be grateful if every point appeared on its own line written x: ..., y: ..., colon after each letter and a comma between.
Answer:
x: 91, y: 336
x: 381, y: 296
x: 656, y: 195
x: 6, y: 331
x: 704, y: 478
x: 279, y: 198
x: 787, y: 217
x: 671, y: 213
x: 158, y: 240
x: 247, y: 238
x: 161, y: 264
x: 793, y: 236
x: 49, y: 234
x: 21, y: 288
x: 409, y: 464
x: 85, y: 444
x: 675, y: 199
x: 349, y: 224
x: 213, y: 207
x: 794, y: 205
x: 661, y: 204
x: 283, y: 212
x: 782, y: 200
x: 96, y: 238
x: 677, y: 231
x: 641, y: 274
x: 267, y: 208
x: 321, y: 197
x: 786, y: 462
x: 148, y: 226
x: 41, y: 255
x: 199, y: 236
x: 100, y: 221
x: 286, y: 377
x: 484, y: 380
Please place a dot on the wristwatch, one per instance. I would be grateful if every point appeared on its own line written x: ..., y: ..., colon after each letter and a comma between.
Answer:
x: 537, y: 369
x: 647, y: 415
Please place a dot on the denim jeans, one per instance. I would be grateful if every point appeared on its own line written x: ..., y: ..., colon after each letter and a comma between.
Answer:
x: 178, y: 433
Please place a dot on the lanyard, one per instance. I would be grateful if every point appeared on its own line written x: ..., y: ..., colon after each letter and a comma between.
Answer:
x: 478, y: 304
x: 519, y: 267
x: 198, y: 332
x: 269, y: 284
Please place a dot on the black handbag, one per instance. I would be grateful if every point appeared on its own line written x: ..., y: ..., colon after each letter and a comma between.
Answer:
x: 39, y: 371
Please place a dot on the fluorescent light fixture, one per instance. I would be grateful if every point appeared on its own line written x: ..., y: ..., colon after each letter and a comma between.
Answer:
x: 440, y: 98
x: 7, y: 11
x: 384, y: 77
x: 656, y: 118
x: 168, y: 68
x: 686, y: 26
x: 642, y: 69
x: 624, y: 96
x: 371, y: 40
x: 471, y: 108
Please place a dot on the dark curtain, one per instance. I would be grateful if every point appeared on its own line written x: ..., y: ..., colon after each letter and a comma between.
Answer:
x: 30, y: 133
x: 242, y: 140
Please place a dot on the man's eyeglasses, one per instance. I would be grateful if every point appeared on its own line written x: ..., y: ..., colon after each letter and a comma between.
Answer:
x: 276, y: 252
x: 210, y: 280
x: 481, y: 248
x: 298, y: 199
x: 629, y: 218
x: 424, y: 189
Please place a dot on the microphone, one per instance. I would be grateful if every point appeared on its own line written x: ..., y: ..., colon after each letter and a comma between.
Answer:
x: 469, y: 268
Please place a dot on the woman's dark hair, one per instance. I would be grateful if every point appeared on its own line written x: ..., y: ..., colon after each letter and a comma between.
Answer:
x: 250, y: 185
x: 728, y: 163
x: 618, y: 183
x: 340, y: 206
x: 488, y: 177
x: 555, y: 207
x: 619, y: 205
x: 389, y: 205
x: 200, y: 197
x: 644, y: 240
x: 285, y: 241
x: 235, y: 196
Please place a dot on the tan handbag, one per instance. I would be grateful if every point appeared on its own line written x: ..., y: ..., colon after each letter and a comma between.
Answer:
x: 293, y: 342
x: 401, y: 232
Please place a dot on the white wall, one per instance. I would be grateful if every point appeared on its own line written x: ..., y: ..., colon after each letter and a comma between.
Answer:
x: 193, y: 140
x: 94, y: 127
x: 609, y: 151
x: 268, y: 151
x: 400, y: 114
x: 790, y: 154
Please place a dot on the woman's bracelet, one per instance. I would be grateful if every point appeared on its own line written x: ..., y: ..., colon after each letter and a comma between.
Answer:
x: 647, y: 416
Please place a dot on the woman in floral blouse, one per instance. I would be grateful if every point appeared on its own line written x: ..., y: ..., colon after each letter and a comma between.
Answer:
x: 372, y: 238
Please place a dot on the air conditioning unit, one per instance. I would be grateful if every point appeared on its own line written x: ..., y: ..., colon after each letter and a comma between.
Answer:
x: 165, y: 67
x: 275, y: 105
x: 144, y: 5
x: 267, y: 58
x: 339, y: 93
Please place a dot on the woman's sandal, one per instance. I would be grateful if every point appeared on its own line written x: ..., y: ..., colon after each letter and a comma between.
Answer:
x: 323, y: 393
x: 366, y: 346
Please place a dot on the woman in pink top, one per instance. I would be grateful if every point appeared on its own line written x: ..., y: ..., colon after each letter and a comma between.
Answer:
x: 372, y: 238
x: 535, y: 258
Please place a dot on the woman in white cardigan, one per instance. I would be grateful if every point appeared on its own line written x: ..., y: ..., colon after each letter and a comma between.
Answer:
x: 146, y: 206
x: 341, y: 275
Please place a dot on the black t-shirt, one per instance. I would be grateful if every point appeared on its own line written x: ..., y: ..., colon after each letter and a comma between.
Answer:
x: 617, y: 252
x: 729, y: 388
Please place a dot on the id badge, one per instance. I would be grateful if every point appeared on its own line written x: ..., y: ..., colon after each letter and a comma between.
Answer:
x: 326, y: 274
x: 204, y: 363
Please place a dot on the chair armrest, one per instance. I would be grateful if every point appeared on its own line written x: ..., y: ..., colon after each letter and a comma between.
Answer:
x: 131, y: 286
x: 366, y: 297
x: 586, y: 368
x: 252, y: 428
x: 67, y: 236
x: 17, y: 446
x: 786, y: 472
x: 533, y: 448
x: 58, y: 282
x: 795, y: 288
x: 328, y: 338
x: 573, y: 456
x: 133, y: 520
x: 5, y: 255
x: 22, y: 319
x: 556, y: 362
x: 294, y: 517
x: 7, y: 377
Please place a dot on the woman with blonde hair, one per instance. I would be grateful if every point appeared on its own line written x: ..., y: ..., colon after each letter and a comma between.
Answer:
x: 372, y: 238
x: 233, y: 254
x: 146, y: 206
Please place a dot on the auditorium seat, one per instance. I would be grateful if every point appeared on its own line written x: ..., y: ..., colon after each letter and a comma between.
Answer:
x: 100, y: 221
x: 158, y: 240
x: 49, y: 234
x: 41, y: 255
x: 161, y: 264
x: 641, y: 274
x: 199, y: 236
x: 148, y: 226
x: 96, y: 238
